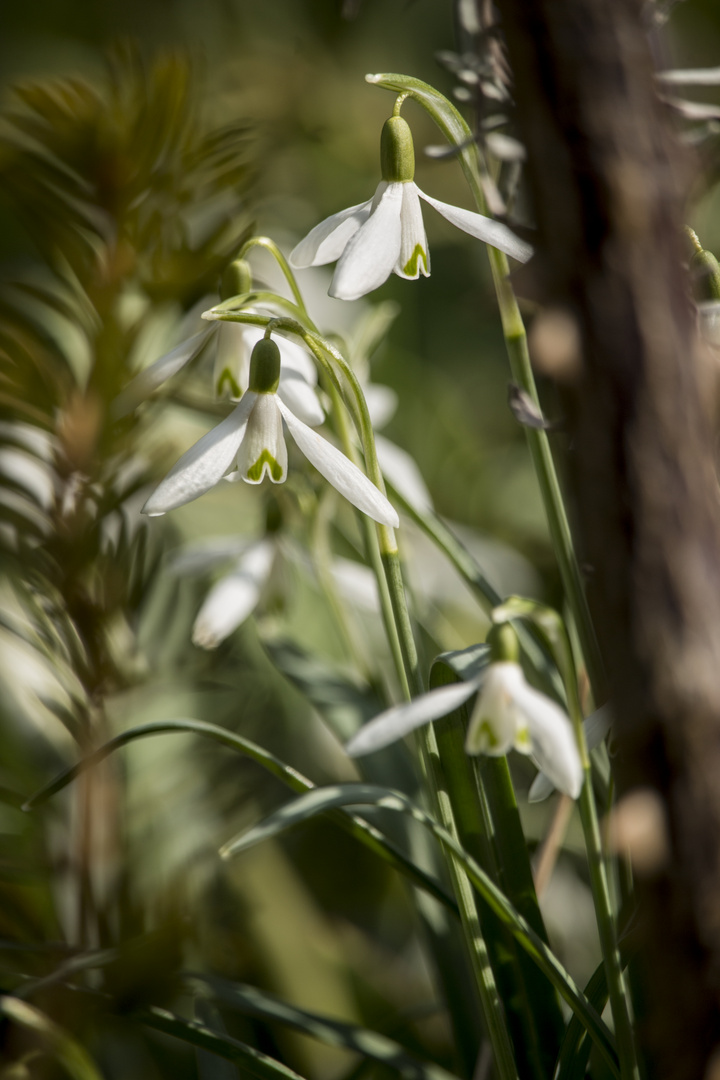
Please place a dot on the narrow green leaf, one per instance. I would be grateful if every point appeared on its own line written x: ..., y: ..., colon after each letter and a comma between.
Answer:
x: 322, y: 799
x: 56, y: 1040
x: 253, y: 1062
x: 362, y: 830
x: 371, y: 1044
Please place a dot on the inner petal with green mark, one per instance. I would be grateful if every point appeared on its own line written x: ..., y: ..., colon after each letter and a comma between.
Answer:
x: 226, y: 378
x: 411, y: 266
x: 263, y: 449
x: 413, y: 258
x: 266, y: 460
x: 485, y: 738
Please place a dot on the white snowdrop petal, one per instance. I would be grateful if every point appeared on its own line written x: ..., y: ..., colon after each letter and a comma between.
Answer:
x: 300, y: 398
x: 400, y: 469
x: 159, y: 372
x: 327, y: 241
x: 382, y: 403
x: 484, y: 228
x: 263, y: 450
x: 369, y: 258
x: 401, y: 719
x: 495, y: 722
x: 554, y: 747
x: 356, y: 583
x: 414, y: 258
x: 204, y: 464
x: 541, y: 787
x: 234, y: 597
x: 295, y: 359
x: 596, y: 726
x: 339, y: 471
x: 232, y: 354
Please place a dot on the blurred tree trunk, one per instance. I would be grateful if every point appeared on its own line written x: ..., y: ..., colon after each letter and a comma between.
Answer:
x: 607, y: 177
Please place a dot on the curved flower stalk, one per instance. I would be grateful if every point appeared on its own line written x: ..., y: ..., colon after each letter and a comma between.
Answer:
x: 508, y: 714
x: 386, y: 234
x: 252, y: 438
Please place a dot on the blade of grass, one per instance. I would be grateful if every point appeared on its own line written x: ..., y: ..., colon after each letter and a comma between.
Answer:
x: 255, y: 1002
x: 362, y: 830
x: 322, y: 799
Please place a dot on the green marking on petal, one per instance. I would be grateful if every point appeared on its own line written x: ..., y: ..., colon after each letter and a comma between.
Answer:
x: 255, y: 471
x: 523, y: 743
x: 485, y: 738
x: 226, y: 376
x: 411, y: 266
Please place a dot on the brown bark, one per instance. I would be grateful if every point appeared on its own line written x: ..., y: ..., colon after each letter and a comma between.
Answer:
x: 607, y: 192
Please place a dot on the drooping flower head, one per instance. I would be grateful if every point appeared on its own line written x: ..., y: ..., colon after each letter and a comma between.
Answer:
x: 386, y: 234
x: 252, y: 439
x: 508, y: 714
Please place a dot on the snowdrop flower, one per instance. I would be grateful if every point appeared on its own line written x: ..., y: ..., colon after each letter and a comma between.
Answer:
x: 508, y: 714
x: 386, y: 234
x: 234, y: 344
x: 252, y: 437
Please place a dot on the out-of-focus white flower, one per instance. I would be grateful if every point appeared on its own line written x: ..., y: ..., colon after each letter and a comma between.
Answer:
x: 235, y: 596
x: 508, y: 714
x: 252, y: 436
x: 386, y: 234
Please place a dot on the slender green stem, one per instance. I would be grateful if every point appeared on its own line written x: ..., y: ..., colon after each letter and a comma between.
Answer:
x: 372, y: 550
x: 487, y: 595
x: 618, y: 992
x: 271, y: 246
x: 519, y: 357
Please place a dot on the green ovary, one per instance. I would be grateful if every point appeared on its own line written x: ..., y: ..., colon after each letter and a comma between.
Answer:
x: 255, y: 471
x: 411, y: 266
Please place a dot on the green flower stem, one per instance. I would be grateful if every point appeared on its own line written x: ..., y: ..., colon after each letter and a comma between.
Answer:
x: 456, y: 131
x: 271, y: 246
x: 618, y: 992
x: 487, y: 595
x: 372, y: 549
x: 539, y: 444
x: 259, y: 296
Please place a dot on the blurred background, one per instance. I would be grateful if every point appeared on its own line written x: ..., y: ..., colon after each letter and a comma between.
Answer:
x: 140, y: 144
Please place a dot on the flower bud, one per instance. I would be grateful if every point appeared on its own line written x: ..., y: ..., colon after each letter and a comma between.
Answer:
x: 265, y: 367
x: 236, y: 279
x: 397, y: 153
